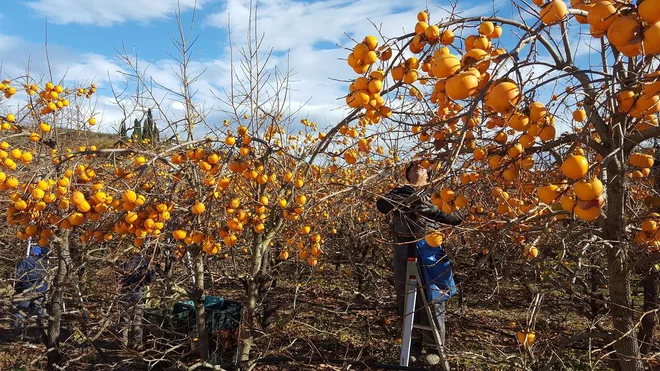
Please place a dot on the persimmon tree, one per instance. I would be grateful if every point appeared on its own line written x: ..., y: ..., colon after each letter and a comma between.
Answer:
x: 482, y: 100
x: 547, y: 149
x: 251, y: 187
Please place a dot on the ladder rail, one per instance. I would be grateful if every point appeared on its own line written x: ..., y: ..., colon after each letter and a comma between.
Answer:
x: 413, y: 285
x: 408, y: 320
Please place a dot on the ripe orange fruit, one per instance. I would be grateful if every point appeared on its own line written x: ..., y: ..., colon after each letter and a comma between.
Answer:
x: 447, y: 37
x: 589, y: 215
x: 579, y: 115
x: 518, y: 121
x: 553, y: 12
x: 360, y: 50
x: 588, y: 190
x: 641, y: 160
x: 20, y: 204
x: 537, y: 111
x: 445, y: 65
x: 432, y: 33
x: 129, y: 196
x: 384, y: 53
x: 198, y: 208
x: 76, y: 219
x: 462, y: 85
x: 649, y: 10
x: 525, y: 338
x: 434, y: 239
x: 447, y: 195
x: 516, y: 150
x: 460, y: 201
x: 531, y: 252
x: 486, y: 28
x: 602, y: 15
x: 548, y: 194
x: 547, y: 133
x: 622, y: 31
x: 495, y: 161
x: 15, y: 153
x: 503, y: 96
x: 371, y: 42
x: 567, y: 203
x: 179, y: 234
x: 649, y: 226
x: 479, y: 153
x: 420, y: 27
x: 497, y: 32
x: 350, y: 157
x: 575, y: 166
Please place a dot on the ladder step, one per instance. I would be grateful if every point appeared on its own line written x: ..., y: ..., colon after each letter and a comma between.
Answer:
x: 423, y: 327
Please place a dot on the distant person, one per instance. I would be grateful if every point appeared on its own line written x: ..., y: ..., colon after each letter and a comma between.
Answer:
x: 411, y: 214
x: 136, y: 275
x: 30, y: 280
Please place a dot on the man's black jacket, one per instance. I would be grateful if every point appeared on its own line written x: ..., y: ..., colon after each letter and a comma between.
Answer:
x: 410, y: 219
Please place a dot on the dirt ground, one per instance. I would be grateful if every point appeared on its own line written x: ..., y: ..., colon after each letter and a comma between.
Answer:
x: 323, y: 319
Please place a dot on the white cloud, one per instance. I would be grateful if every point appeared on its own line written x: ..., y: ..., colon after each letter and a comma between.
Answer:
x: 108, y: 13
x: 298, y: 27
x: 289, y: 26
x: 8, y: 42
x: 71, y: 69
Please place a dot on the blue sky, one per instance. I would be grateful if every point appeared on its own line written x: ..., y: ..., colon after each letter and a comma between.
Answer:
x: 83, y: 36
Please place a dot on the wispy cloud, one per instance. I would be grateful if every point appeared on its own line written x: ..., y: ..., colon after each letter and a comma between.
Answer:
x: 107, y: 13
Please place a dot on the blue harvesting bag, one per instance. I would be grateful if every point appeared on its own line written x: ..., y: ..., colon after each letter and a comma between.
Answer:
x: 436, y: 271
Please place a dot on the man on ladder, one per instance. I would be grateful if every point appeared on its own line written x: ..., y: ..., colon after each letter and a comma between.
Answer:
x: 412, y: 212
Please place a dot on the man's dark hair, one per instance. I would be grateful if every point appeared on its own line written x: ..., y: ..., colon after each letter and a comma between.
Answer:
x: 410, y: 166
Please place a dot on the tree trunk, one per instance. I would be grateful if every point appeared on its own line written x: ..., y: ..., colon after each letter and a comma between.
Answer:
x: 252, y: 297
x: 55, y: 304
x: 627, y: 349
x: 645, y: 336
x: 595, y: 280
x: 267, y: 283
x: 200, y: 310
x: 260, y: 248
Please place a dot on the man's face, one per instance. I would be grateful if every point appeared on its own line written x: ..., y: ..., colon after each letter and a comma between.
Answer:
x: 417, y: 174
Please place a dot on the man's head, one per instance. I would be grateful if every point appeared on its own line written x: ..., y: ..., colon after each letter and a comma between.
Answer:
x: 416, y: 174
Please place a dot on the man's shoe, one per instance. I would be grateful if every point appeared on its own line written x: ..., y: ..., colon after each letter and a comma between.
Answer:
x: 431, y: 359
x: 415, y: 352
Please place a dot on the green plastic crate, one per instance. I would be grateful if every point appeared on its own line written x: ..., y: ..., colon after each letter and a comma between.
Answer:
x: 221, y: 315
x: 223, y: 318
